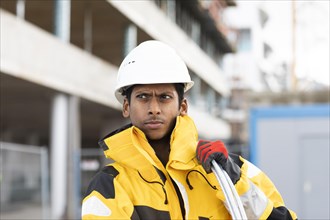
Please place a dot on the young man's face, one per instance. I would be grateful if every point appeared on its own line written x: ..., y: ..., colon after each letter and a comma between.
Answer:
x: 153, y: 109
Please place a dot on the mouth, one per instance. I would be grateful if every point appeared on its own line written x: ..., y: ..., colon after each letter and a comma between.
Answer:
x: 153, y: 124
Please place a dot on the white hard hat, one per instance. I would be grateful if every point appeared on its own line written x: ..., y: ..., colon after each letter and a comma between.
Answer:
x: 151, y: 62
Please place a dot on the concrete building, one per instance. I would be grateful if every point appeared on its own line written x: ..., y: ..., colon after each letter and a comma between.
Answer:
x: 279, y: 103
x: 58, y: 67
x: 280, y: 58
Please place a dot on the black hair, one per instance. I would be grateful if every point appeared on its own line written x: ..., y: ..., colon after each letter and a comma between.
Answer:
x: 179, y: 87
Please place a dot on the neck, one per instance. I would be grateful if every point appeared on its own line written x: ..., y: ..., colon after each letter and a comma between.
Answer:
x: 162, y: 149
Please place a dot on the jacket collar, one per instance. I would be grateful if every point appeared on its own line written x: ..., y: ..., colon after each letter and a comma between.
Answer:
x: 129, y: 146
x: 183, y: 144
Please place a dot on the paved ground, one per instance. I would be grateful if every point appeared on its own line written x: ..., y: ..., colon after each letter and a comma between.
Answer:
x: 22, y: 211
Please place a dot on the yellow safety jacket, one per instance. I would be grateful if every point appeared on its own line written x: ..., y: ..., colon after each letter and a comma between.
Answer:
x: 138, y: 186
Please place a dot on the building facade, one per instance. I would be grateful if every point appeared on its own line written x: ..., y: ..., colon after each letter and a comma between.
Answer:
x: 58, y: 69
x: 280, y: 58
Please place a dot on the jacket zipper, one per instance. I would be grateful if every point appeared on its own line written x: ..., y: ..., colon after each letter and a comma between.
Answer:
x: 157, y: 182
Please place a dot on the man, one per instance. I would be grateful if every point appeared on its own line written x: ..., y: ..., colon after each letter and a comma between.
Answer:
x: 161, y: 170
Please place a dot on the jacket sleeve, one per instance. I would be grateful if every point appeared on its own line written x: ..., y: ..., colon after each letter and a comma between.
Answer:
x: 106, y: 198
x: 260, y: 198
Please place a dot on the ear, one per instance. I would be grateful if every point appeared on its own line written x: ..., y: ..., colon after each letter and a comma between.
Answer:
x: 125, y: 108
x: 184, y: 107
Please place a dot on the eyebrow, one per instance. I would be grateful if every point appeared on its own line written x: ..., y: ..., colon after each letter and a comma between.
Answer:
x: 152, y: 91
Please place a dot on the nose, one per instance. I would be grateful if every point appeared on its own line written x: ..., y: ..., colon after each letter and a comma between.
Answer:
x: 154, y: 108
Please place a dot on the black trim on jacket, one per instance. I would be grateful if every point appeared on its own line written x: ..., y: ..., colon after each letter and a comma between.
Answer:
x: 280, y: 213
x: 148, y: 213
x: 102, y: 143
x: 102, y: 182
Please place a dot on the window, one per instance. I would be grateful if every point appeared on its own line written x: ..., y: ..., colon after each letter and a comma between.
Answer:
x: 244, y: 40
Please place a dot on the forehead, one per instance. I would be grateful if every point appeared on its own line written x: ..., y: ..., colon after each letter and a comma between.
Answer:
x: 164, y: 87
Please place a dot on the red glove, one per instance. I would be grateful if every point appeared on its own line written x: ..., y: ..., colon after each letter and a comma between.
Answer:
x: 208, y: 151
x: 216, y: 150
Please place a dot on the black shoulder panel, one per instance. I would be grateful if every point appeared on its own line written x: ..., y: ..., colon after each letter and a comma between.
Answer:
x: 280, y: 213
x: 110, y: 170
x: 102, y: 182
x: 148, y: 213
x: 103, y: 145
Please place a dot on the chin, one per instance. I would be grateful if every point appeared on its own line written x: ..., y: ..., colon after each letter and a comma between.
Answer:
x: 154, y: 138
x: 159, y: 137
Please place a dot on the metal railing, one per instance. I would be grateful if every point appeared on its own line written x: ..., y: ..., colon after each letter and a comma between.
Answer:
x: 24, y: 182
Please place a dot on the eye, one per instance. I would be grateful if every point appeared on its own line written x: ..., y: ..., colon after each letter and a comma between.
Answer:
x: 142, y: 96
x: 165, y: 97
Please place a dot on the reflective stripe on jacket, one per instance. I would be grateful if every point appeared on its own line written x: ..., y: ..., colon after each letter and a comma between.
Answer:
x: 138, y: 186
